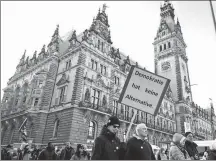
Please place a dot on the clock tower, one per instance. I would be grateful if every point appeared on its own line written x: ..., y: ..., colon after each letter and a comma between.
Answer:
x: 171, y: 62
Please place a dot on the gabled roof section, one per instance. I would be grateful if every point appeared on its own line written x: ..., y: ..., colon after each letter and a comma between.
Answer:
x: 63, y: 80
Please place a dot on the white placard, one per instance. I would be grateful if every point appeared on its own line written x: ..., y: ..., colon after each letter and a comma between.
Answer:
x: 144, y: 90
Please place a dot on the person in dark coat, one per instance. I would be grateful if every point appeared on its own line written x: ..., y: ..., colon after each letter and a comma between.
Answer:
x: 137, y: 147
x: 212, y: 152
x: 107, y: 145
x: 191, y: 147
x: 48, y: 153
x: 67, y: 152
x: 7, y: 153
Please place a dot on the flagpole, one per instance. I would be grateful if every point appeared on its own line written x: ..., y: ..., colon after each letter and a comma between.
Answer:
x: 213, y: 16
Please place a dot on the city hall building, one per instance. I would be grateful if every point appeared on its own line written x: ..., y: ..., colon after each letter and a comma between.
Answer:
x: 69, y: 89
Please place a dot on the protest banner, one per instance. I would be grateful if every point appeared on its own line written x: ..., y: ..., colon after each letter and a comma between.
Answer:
x: 143, y: 91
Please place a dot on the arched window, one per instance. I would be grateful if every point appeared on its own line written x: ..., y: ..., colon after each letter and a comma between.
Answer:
x: 160, y: 48
x: 169, y: 45
x: 56, y: 126
x: 91, y: 130
x: 164, y: 46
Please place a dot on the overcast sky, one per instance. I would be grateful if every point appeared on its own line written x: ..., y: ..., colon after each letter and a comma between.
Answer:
x: 133, y: 25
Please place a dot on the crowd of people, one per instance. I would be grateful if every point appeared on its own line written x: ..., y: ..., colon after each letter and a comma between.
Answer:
x: 107, y: 146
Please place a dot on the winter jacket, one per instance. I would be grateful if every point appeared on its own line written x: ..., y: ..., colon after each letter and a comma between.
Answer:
x: 138, y: 149
x: 67, y: 153
x: 178, y: 153
x: 82, y: 157
x: 106, y: 146
x: 191, y: 148
x: 212, y: 155
x: 47, y: 154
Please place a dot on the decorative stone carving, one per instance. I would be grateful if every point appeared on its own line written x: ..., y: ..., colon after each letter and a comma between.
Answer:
x: 63, y: 80
x: 104, y: 102
x: 87, y: 95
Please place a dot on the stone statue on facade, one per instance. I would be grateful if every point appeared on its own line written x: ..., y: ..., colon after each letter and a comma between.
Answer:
x: 87, y: 95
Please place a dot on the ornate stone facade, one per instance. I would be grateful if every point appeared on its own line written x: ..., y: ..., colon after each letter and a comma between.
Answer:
x: 171, y: 62
x: 69, y: 91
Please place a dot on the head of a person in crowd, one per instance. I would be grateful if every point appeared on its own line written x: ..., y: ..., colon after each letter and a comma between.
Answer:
x: 213, y: 146
x: 9, y: 148
x: 67, y: 144
x: 179, y: 139
x: 51, y: 146
x: 189, y: 136
x: 141, y: 130
x: 162, y: 151
x: 79, y: 149
x: 113, y: 124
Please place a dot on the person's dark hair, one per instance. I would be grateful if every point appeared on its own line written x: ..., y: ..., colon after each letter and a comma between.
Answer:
x: 187, y: 133
x: 77, y: 153
x: 49, y: 143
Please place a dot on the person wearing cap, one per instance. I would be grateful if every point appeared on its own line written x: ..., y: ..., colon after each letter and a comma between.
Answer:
x: 107, y: 145
x: 138, y: 148
x: 191, y: 147
x: 177, y: 149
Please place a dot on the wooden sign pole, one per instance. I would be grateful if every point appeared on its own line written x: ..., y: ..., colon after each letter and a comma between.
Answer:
x: 129, y: 128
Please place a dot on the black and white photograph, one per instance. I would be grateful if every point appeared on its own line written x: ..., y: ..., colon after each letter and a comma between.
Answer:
x: 108, y: 80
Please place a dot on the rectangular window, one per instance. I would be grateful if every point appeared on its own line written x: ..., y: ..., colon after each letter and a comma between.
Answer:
x: 165, y: 105
x: 94, y: 64
x: 68, y: 64
x: 36, y: 101
x: 95, y: 98
x: 126, y: 112
x: 102, y: 46
x: 102, y: 69
x: 115, y: 107
x: 99, y: 44
x: 62, y: 94
x: 116, y: 80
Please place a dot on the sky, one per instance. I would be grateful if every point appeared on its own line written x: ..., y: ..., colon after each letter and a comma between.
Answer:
x: 28, y: 25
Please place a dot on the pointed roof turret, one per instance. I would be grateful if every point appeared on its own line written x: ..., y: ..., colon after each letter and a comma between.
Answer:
x: 23, y: 57
x: 167, y: 10
x: 55, y: 41
x: 100, y: 25
x: 178, y: 22
x: 56, y: 33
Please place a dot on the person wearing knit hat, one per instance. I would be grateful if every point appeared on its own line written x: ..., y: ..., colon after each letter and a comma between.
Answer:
x: 138, y: 147
x: 107, y: 145
x: 191, y: 147
x: 177, y: 150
